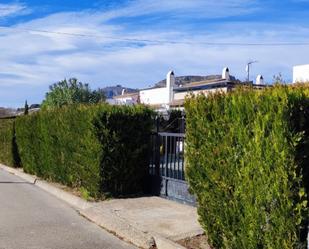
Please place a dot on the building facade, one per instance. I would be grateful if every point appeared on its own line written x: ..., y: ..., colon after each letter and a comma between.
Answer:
x: 172, y: 96
x: 301, y: 73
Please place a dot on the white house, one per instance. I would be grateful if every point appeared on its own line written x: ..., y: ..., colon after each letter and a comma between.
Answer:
x: 204, y: 87
x: 126, y: 98
x: 172, y: 96
x: 159, y: 96
x: 301, y: 73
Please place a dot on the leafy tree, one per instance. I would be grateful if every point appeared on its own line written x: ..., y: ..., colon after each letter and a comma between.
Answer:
x: 67, y: 92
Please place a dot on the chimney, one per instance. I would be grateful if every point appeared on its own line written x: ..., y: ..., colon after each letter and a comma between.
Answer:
x: 123, y: 91
x: 226, y: 73
x: 170, y: 82
x: 259, y: 80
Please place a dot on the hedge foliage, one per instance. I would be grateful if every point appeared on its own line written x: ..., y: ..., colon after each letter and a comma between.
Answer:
x: 101, y: 149
x: 8, y: 147
x: 247, y: 163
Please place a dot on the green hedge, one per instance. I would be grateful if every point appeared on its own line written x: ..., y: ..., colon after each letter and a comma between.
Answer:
x: 101, y: 149
x: 8, y: 148
x: 247, y: 163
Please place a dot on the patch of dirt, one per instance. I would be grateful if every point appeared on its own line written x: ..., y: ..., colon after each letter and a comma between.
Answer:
x: 197, y: 242
x: 75, y: 191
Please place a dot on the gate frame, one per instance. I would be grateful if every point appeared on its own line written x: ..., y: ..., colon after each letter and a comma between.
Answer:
x: 162, y: 184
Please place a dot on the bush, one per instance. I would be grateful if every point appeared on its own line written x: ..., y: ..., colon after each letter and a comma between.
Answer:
x: 100, y: 149
x: 247, y: 163
x: 8, y: 147
x: 124, y: 134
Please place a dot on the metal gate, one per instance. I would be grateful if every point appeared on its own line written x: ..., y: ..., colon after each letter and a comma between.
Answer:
x: 167, y: 167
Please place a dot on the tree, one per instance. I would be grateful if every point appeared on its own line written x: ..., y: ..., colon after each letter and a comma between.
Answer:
x: 278, y: 79
x: 67, y: 92
x: 26, y: 110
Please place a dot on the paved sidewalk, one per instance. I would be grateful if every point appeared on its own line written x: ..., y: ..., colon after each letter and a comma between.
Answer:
x: 141, y: 219
x: 146, y: 222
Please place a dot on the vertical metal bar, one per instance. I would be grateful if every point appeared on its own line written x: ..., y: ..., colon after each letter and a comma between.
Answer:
x: 171, y: 157
x: 174, y: 157
x: 170, y: 169
x: 166, y: 165
x: 163, y: 156
x: 166, y: 156
x: 151, y: 155
x: 183, y: 128
x: 183, y: 159
x: 178, y: 156
x: 179, y: 161
x: 156, y: 155
x: 157, y: 149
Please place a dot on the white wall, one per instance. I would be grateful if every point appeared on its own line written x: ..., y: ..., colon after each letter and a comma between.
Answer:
x: 182, y: 95
x: 111, y: 101
x: 155, y: 96
x: 301, y: 73
x: 125, y: 101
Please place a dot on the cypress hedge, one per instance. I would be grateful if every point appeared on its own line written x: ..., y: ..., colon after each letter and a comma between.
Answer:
x: 8, y: 147
x: 101, y: 149
x: 247, y: 163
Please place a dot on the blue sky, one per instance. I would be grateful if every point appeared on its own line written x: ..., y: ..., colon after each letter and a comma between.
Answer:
x: 30, y: 61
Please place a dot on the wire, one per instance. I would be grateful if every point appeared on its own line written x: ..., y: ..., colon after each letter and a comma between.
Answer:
x: 271, y: 44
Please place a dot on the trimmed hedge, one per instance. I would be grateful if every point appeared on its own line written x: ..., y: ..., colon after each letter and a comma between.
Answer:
x: 101, y: 149
x: 247, y: 163
x: 8, y: 147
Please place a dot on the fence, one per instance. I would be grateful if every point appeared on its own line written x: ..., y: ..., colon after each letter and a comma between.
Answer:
x: 167, y: 166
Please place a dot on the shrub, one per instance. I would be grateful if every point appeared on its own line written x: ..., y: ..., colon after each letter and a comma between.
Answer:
x: 247, y: 163
x: 8, y: 147
x: 93, y: 148
x: 124, y: 134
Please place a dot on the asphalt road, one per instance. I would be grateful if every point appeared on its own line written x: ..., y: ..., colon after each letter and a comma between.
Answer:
x: 33, y: 219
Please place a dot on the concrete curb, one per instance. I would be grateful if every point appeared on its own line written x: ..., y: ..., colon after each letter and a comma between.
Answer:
x: 104, y: 218
x: 112, y: 223
x: 72, y: 200
x: 20, y: 173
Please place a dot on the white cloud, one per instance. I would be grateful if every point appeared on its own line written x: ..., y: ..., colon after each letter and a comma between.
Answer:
x: 30, y: 61
x: 12, y: 9
x: 200, y: 8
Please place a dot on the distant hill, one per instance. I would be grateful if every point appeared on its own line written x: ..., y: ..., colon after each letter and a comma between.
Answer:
x: 183, y: 80
x: 112, y: 91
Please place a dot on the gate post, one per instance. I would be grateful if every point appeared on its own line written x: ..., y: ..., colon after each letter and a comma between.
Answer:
x: 157, y: 149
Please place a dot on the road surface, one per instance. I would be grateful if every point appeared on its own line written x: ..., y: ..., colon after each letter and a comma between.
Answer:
x: 33, y: 219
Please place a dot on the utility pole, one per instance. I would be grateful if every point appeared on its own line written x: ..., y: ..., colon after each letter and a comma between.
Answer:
x: 248, y: 69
